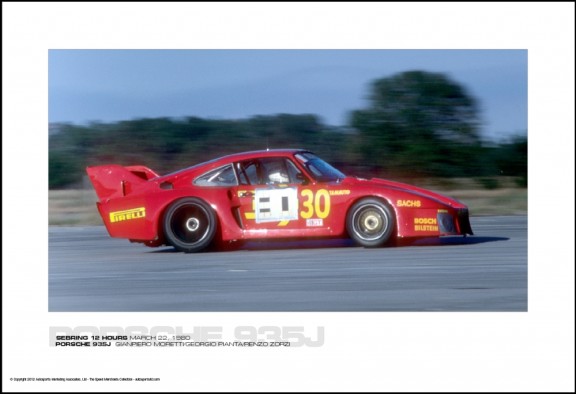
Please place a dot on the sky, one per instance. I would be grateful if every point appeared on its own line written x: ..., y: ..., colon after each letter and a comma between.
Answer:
x: 115, y: 85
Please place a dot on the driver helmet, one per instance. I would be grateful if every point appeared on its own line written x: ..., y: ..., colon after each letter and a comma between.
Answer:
x: 277, y: 175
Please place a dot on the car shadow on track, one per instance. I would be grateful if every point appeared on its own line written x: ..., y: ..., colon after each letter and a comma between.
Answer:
x: 343, y: 243
x: 458, y: 240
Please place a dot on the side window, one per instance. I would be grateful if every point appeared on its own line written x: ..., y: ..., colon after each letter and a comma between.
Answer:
x: 275, y: 171
x: 294, y: 173
x: 223, y: 176
x: 270, y: 170
x: 250, y: 172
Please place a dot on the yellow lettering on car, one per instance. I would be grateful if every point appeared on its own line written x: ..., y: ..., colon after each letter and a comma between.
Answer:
x: 128, y: 214
x: 322, y: 194
x: 307, y: 203
x: 409, y: 203
x: 425, y: 221
x: 339, y: 192
x: 318, y: 204
x: 425, y: 224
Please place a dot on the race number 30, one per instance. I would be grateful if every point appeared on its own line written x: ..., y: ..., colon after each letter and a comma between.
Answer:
x: 318, y: 204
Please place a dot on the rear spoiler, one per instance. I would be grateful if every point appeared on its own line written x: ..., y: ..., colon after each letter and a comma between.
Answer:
x: 112, y: 181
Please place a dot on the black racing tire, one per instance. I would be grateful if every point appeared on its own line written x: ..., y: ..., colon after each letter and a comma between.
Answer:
x: 371, y: 223
x: 190, y: 225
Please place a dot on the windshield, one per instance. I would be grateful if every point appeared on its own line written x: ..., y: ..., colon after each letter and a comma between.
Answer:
x: 319, y: 169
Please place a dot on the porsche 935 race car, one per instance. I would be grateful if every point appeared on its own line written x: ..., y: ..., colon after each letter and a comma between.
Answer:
x: 268, y: 194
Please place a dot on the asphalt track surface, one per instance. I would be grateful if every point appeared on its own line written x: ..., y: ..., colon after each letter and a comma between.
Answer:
x: 91, y: 272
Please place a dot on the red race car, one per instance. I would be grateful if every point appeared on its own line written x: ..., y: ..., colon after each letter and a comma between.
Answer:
x: 268, y: 194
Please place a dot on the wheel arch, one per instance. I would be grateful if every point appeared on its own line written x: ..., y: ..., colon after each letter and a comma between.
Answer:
x: 383, y: 200
x: 160, y: 222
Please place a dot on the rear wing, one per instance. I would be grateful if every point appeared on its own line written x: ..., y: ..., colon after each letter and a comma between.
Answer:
x: 112, y: 181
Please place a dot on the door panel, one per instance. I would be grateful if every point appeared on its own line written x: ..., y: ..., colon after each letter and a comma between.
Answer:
x: 277, y: 201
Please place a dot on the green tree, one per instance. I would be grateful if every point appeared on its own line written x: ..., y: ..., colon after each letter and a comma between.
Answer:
x: 417, y: 124
x: 168, y: 144
x: 63, y: 170
x: 512, y: 159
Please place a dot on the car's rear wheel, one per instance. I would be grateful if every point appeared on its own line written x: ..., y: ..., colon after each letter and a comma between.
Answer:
x: 370, y: 222
x: 190, y: 225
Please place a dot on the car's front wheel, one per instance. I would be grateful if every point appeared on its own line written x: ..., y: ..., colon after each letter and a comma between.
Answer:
x: 190, y: 225
x: 370, y: 222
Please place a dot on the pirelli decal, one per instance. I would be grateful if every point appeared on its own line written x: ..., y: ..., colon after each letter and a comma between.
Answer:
x: 129, y: 214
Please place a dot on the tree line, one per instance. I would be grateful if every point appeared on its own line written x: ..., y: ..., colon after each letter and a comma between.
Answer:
x: 417, y: 125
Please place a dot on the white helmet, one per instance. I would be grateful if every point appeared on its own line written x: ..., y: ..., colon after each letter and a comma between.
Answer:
x: 278, y: 177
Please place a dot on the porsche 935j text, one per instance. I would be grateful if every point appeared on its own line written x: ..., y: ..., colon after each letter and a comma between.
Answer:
x: 269, y: 194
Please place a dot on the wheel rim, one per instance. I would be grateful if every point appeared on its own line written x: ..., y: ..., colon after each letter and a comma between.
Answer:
x: 190, y: 224
x: 370, y: 222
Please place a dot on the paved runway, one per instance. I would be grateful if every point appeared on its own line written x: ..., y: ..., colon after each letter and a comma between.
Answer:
x: 89, y: 271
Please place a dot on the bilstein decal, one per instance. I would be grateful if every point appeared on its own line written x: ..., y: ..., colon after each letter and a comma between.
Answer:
x: 129, y: 214
x: 425, y: 224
